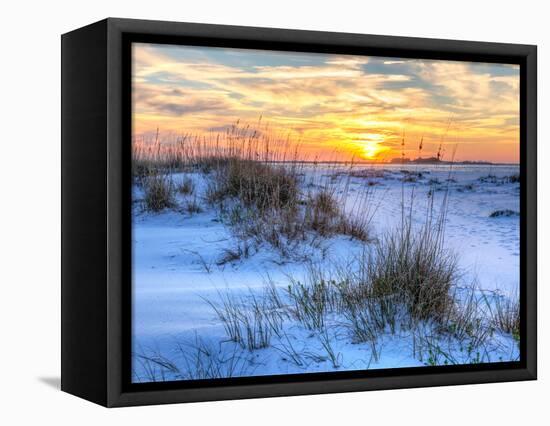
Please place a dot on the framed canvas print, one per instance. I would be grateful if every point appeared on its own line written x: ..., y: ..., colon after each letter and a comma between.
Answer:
x: 253, y: 212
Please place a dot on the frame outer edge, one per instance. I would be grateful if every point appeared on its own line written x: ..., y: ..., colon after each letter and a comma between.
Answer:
x: 83, y: 232
x: 531, y: 201
x: 116, y: 396
x: 114, y: 213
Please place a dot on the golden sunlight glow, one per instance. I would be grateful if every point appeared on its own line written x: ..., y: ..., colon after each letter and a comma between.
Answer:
x: 370, y: 150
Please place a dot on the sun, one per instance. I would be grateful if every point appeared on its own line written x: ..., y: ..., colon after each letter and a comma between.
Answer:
x: 370, y: 146
x: 370, y: 149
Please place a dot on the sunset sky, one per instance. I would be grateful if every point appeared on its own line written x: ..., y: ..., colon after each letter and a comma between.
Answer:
x: 348, y: 105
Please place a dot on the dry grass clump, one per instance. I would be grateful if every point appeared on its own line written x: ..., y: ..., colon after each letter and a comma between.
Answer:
x: 186, y: 186
x: 158, y: 192
x: 312, y: 300
x: 324, y: 203
x: 255, y: 184
x: 505, y: 315
x: 192, y: 206
x: 156, y: 367
x: 285, y: 228
x: 322, y: 213
x: 141, y: 169
x: 249, y: 321
x: 417, y: 268
x: 279, y: 228
x: 355, y: 227
x: 242, y: 250
x: 513, y: 178
x: 197, y: 360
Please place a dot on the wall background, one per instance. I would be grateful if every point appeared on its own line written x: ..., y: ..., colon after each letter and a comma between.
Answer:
x: 30, y: 211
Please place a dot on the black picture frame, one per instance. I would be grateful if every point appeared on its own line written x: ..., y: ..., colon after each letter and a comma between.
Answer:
x: 96, y: 225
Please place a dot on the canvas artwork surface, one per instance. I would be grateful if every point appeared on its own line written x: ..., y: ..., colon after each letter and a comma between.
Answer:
x: 302, y: 212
